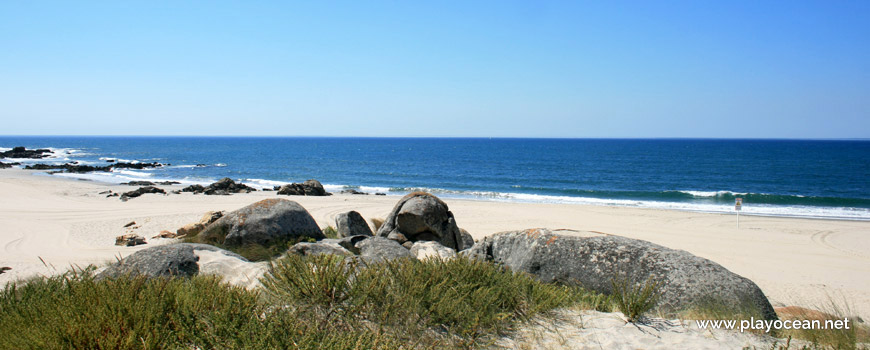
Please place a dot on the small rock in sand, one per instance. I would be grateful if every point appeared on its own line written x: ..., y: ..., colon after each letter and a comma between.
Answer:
x: 130, y: 240
x: 131, y: 223
x: 166, y: 234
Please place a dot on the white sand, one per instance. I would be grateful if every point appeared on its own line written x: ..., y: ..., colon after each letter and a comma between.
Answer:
x: 586, y: 329
x: 794, y: 261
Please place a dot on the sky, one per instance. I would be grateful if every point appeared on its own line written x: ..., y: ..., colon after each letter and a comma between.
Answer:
x: 634, y: 69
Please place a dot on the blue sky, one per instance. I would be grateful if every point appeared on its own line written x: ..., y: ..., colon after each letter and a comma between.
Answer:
x: 732, y: 69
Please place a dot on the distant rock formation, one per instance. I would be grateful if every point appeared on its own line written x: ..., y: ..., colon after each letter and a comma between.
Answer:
x: 21, y: 152
x: 223, y: 186
x: 307, y: 188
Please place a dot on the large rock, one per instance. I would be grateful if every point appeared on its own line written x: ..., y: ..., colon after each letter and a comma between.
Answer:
x: 428, y: 249
x: 421, y: 216
x: 305, y: 248
x: 379, y: 249
x: 264, y: 222
x: 307, y: 188
x: 351, y: 224
x: 163, y: 261
x: 685, y: 280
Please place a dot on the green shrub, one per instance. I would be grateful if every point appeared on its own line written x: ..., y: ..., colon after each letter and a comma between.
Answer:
x: 634, y: 300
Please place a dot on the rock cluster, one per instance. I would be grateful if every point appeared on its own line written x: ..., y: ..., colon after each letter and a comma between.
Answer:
x: 77, y: 168
x: 421, y: 216
x: 129, y: 240
x: 307, y: 188
x: 7, y: 165
x: 21, y: 152
x: 223, y: 186
x: 141, y: 191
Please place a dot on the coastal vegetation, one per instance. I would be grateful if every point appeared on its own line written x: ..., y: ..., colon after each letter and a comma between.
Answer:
x: 307, y: 302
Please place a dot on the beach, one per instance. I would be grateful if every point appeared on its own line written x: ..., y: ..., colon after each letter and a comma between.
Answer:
x: 48, y: 224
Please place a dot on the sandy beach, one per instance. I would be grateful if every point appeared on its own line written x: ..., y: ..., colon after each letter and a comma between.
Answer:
x: 48, y: 224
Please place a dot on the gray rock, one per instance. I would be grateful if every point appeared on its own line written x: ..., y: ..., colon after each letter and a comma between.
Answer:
x: 350, y: 243
x: 421, y: 216
x: 427, y: 249
x: 351, y: 224
x: 467, y: 239
x: 163, y: 261
x: 305, y: 248
x: 379, y: 248
x: 263, y: 222
x: 685, y: 280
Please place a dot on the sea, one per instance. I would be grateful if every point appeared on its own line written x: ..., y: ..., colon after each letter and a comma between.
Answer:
x: 794, y: 178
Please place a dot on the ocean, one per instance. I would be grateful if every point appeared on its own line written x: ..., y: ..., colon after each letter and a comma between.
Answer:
x: 799, y: 178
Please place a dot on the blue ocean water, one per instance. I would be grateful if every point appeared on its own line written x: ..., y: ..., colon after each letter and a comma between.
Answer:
x: 774, y: 177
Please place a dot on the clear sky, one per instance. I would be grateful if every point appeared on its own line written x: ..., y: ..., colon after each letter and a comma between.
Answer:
x: 778, y: 69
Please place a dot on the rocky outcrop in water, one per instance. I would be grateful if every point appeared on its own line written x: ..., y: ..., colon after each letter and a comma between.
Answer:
x: 307, y: 188
x: 7, y: 165
x: 21, y: 152
x: 684, y: 280
x: 223, y: 186
x: 77, y: 168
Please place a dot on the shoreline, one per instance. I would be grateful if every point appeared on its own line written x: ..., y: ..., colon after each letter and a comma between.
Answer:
x: 504, y: 197
x: 796, y: 261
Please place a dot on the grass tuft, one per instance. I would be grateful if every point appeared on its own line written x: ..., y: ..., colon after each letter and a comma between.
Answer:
x: 634, y: 300
x: 330, y: 232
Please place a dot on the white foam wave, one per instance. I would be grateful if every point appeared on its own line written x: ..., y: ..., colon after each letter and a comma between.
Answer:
x: 712, y: 193
x: 132, y: 173
x: 374, y: 189
x: 262, y: 183
x: 220, y: 165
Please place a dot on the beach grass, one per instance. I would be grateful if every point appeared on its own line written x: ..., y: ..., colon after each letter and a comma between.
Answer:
x: 313, y: 302
x: 634, y: 299
x: 455, y: 302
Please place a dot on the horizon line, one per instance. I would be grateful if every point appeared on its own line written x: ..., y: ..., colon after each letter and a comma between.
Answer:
x: 462, y: 137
